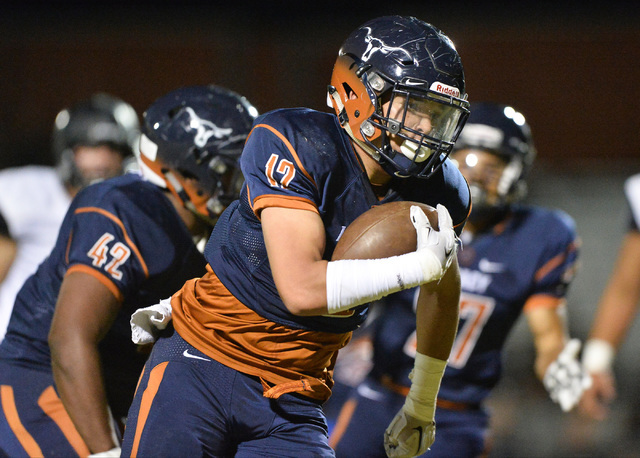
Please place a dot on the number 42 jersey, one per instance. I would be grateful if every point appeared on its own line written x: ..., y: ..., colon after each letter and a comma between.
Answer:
x: 127, y: 234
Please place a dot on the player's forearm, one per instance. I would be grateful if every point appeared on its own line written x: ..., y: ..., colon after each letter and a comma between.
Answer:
x: 78, y: 376
x: 8, y: 250
x: 437, y: 315
x: 616, y: 313
x: 544, y: 359
x: 548, y: 327
x: 620, y: 300
x: 304, y: 291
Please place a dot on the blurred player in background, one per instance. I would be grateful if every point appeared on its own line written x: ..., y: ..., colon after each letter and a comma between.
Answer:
x: 124, y: 244
x: 91, y: 141
x: 615, y: 314
x: 249, y: 359
x: 516, y: 259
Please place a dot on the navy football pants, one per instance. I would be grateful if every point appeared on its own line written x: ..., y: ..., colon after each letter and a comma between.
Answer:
x: 33, y: 421
x: 187, y: 404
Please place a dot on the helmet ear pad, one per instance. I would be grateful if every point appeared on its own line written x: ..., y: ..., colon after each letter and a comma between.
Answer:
x: 358, y: 105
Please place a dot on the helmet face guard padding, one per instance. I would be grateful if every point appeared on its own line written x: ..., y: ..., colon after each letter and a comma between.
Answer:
x: 191, y: 143
x: 399, y: 56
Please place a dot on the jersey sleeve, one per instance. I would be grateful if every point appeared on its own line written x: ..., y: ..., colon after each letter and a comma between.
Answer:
x: 632, y: 195
x: 101, y: 246
x: 4, y: 229
x: 274, y: 169
x: 557, y: 266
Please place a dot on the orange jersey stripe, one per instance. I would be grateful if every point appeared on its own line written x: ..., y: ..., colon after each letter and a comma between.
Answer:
x: 299, y: 203
x: 289, y: 147
x: 553, y: 263
x: 211, y: 319
x: 543, y: 300
x: 51, y: 404
x: 66, y: 252
x: 99, y: 276
x: 155, y: 378
x: 117, y: 220
x: 11, y: 413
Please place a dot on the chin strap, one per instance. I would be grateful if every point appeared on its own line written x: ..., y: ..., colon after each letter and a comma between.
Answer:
x: 344, y: 122
x: 186, y: 200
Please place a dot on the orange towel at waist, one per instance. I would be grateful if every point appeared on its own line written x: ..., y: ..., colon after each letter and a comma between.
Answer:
x: 210, y: 318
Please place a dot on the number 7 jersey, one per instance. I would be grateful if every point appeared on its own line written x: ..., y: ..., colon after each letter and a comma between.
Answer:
x: 526, y: 261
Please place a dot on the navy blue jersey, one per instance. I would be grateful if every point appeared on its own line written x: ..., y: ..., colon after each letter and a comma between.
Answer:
x: 125, y: 232
x: 300, y: 158
x: 526, y: 261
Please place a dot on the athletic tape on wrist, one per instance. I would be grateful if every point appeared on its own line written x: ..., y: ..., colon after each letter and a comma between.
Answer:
x: 425, y: 383
x: 597, y: 355
x: 359, y: 281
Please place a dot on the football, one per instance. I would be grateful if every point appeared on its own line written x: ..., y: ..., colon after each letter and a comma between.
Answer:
x: 383, y: 231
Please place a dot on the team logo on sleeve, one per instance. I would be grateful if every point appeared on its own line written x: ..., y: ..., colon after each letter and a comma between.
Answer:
x: 279, y: 172
x: 109, y: 258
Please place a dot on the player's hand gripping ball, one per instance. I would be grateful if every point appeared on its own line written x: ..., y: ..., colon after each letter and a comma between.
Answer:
x: 383, y: 231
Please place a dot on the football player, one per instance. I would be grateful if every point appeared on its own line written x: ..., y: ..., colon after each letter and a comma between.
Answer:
x: 615, y: 314
x: 517, y: 259
x: 248, y: 361
x: 91, y: 140
x: 124, y: 244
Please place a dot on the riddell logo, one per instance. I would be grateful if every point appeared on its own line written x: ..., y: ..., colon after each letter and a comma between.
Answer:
x: 445, y: 89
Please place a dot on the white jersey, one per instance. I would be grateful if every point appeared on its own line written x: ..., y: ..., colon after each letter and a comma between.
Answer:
x: 33, y: 203
x: 632, y: 193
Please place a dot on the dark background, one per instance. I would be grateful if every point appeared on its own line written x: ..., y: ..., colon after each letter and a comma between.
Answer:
x: 573, y: 70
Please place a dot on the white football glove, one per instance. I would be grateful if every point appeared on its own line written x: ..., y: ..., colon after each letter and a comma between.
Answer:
x: 407, y: 436
x: 441, y: 244
x: 566, y: 379
x: 413, y: 429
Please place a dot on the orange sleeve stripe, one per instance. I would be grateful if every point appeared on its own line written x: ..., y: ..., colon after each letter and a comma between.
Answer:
x: 117, y: 220
x: 106, y: 281
x: 155, y: 378
x: 289, y: 147
x: 298, y: 203
x: 543, y: 301
x: 554, y: 262
x: 257, y: 213
x: 8, y: 403
x: 66, y: 253
x: 51, y: 404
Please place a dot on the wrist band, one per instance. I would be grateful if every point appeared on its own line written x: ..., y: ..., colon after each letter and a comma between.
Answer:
x: 598, y: 355
x: 425, y: 383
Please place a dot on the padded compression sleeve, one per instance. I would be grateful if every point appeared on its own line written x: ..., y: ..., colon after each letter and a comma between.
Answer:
x: 355, y: 282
